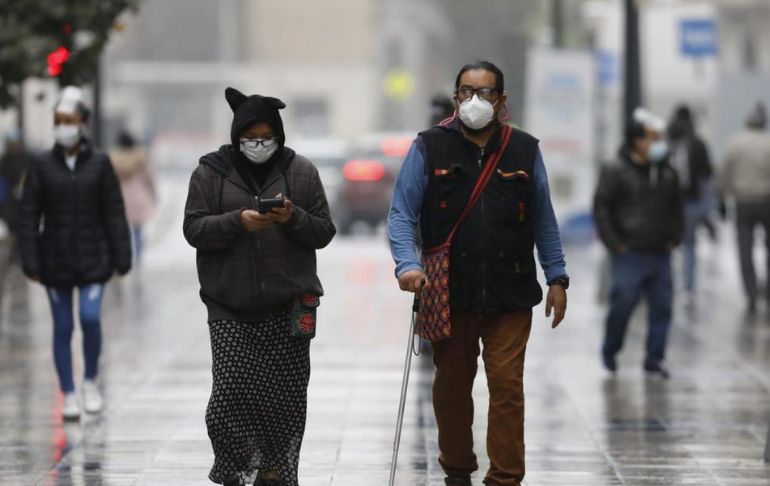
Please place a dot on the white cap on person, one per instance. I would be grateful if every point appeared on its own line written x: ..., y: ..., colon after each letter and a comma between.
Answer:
x: 70, y: 101
x: 650, y: 120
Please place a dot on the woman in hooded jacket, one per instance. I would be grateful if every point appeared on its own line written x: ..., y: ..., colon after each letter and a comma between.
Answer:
x: 256, y: 212
x: 74, y: 235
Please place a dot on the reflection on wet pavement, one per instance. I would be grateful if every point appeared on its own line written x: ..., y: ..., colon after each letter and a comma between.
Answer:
x: 705, y: 426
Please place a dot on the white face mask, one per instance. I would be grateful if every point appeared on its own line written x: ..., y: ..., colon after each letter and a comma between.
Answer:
x: 66, y: 135
x: 476, y: 113
x: 658, y: 151
x: 258, y: 150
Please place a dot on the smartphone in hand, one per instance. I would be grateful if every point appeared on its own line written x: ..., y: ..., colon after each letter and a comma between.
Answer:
x: 265, y: 205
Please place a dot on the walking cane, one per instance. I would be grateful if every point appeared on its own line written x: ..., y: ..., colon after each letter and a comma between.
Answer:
x: 404, y: 387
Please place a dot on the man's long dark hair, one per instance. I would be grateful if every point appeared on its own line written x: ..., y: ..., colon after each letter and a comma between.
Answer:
x: 486, y: 66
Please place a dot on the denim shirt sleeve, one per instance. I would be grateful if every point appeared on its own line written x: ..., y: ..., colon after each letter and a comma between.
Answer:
x: 547, y: 238
x: 406, y: 204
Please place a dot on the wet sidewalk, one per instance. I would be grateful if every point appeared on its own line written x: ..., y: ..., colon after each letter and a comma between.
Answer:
x: 706, y: 426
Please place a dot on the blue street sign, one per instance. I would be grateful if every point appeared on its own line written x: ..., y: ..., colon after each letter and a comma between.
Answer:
x: 606, y: 65
x: 698, y: 37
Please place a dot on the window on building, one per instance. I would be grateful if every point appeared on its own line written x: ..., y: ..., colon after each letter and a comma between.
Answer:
x: 311, y: 116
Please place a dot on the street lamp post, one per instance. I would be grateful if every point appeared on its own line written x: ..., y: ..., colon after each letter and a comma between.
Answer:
x: 98, y: 120
x: 557, y: 21
x: 632, y: 96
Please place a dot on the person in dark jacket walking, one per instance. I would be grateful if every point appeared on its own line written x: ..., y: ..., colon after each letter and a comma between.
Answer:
x: 84, y: 241
x: 690, y: 158
x: 13, y: 286
x: 257, y: 271
x: 638, y: 212
x: 492, y: 278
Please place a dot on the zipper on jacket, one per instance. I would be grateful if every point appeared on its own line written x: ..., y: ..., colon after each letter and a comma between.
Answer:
x: 261, y: 190
x: 73, y: 234
x: 260, y: 282
x: 483, y: 244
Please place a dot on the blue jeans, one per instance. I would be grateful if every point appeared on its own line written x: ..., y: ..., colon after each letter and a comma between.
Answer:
x: 695, y: 212
x: 63, y: 325
x: 137, y: 243
x: 635, y: 273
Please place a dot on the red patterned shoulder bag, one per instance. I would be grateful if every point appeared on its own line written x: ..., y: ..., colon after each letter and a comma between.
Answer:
x: 433, y: 315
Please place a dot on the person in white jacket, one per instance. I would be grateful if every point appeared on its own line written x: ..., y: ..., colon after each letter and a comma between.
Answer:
x: 138, y: 187
x: 745, y: 177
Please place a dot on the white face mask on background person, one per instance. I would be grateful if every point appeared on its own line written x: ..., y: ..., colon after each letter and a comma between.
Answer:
x: 476, y: 113
x: 658, y: 151
x: 258, y: 150
x: 66, y: 135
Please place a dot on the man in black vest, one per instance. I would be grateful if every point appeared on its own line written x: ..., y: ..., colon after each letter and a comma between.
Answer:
x: 492, y: 282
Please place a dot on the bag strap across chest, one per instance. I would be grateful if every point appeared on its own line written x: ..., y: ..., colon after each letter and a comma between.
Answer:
x: 483, y: 181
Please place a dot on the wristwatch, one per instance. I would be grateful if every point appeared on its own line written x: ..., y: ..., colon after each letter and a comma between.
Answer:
x: 562, y: 281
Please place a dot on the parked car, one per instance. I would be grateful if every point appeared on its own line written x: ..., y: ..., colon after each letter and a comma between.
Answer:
x: 368, y: 179
x: 328, y: 155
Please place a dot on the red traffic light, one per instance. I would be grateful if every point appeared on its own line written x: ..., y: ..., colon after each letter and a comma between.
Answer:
x: 56, y: 60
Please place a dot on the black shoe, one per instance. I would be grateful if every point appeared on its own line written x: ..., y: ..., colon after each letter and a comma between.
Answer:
x: 609, y: 363
x: 458, y: 481
x: 656, y: 370
x: 238, y: 481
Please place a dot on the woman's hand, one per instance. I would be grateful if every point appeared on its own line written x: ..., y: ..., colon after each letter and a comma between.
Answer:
x: 283, y: 215
x: 254, y: 221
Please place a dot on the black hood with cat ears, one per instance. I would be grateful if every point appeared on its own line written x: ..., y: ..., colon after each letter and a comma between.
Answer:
x: 248, y: 110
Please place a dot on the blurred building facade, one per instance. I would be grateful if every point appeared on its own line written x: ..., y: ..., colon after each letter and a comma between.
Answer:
x: 711, y: 54
x: 343, y: 67
x: 744, y: 65
x: 347, y: 68
x: 166, y: 77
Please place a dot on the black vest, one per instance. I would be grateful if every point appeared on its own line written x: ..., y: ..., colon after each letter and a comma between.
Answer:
x: 492, y: 259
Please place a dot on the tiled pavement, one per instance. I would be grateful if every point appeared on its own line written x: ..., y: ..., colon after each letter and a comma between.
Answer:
x: 705, y: 426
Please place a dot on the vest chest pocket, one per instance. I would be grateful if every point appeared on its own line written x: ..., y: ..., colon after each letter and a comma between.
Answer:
x: 516, y: 190
x: 449, y: 183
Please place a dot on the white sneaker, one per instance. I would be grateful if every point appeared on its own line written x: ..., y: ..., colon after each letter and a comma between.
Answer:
x: 92, y: 397
x: 70, y: 409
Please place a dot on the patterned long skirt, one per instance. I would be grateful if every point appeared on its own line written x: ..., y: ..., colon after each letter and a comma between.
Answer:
x: 256, y: 413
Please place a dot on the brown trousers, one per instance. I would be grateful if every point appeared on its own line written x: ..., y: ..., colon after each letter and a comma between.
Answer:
x: 505, y: 340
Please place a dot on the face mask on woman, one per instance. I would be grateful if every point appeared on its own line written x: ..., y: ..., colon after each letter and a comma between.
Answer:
x: 66, y: 135
x: 258, y: 150
x: 476, y: 113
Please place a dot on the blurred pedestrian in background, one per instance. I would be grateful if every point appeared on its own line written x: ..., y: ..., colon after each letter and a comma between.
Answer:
x: 745, y: 177
x: 639, y: 217
x: 72, y: 189
x: 492, y: 281
x: 13, y: 168
x: 257, y: 270
x: 138, y: 187
x: 441, y: 108
x: 690, y: 158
